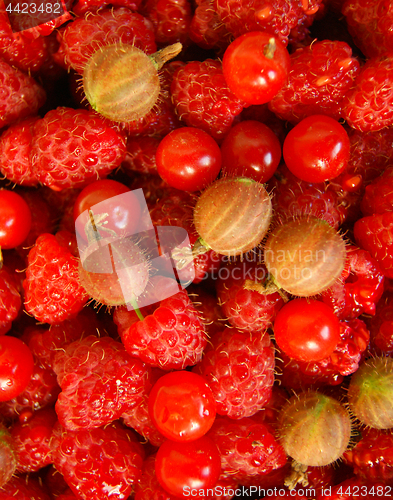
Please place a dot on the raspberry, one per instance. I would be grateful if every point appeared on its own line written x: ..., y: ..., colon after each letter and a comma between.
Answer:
x: 10, y: 299
x: 239, y: 368
x: 359, y: 288
x: 15, y: 160
x: 206, y: 304
x: 369, y: 105
x: 98, y: 464
x: 52, y: 290
x: 378, y: 197
x: 202, y: 98
x: 381, y: 325
x: 32, y: 436
x: 372, y: 456
x: 23, y: 488
x: 173, y: 337
x: 99, y: 382
x: 247, y: 447
x: 25, y: 54
x: 20, y: 95
x: 171, y: 19
x: 321, y: 74
x: 374, y: 234
x: 141, y: 155
x: 245, y: 308
x: 83, y: 6
x: 73, y: 147
x: 277, y: 17
x: 206, y: 28
x: 81, y: 38
x: 354, y: 338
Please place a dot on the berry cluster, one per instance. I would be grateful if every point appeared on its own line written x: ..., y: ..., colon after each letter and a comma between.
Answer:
x: 196, y: 249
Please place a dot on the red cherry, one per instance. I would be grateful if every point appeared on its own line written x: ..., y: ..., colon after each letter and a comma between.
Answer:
x: 317, y: 149
x: 307, y: 330
x: 188, y: 159
x: 256, y: 66
x: 16, y: 367
x: 15, y: 219
x: 251, y: 149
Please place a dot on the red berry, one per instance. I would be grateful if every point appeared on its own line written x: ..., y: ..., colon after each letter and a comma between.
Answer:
x: 16, y: 367
x: 8, y: 456
x: 15, y: 219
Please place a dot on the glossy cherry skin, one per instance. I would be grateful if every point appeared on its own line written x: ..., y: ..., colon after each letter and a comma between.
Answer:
x: 307, y: 330
x: 182, y: 406
x: 16, y: 367
x: 188, y: 159
x: 317, y: 149
x: 193, y: 465
x: 15, y: 219
x: 256, y: 66
x: 251, y: 149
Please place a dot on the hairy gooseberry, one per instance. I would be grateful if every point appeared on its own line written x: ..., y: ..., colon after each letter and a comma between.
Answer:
x: 305, y: 255
x: 233, y: 215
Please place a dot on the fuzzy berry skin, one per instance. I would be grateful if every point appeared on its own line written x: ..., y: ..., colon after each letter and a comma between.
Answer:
x: 98, y: 464
x: 247, y: 447
x: 23, y: 53
x: 23, y: 488
x: 81, y: 38
x: 320, y: 76
x: 99, y: 382
x: 20, y: 95
x: 206, y: 29
x: 202, y: 98
x: 10, y: 299
x: 277, y: 17
x: 360, y: 286
x: 247, y: 310
x: 171, y: 338
x: 345, y: 359
x: 378, y: 197
x: 369, y: 106
x: 52, y: 290
x: 381, y: 326
x: 375, y: 234
x: 239, y: 368
x: 32, y: 435
x: 72, y: 148
x: 372, y: 456
x: 8, y: 456
x: 292, y: 196
x: 15, y: 148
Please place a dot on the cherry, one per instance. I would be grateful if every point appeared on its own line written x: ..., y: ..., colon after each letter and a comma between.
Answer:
x: 188, y: 159
x: 182, y: 406
x: 188, y: 467
x: 307, y: 330
x: 15, y: 219
x: 16, y: 367
x: 251, y: 149
x: 256, y: 66
x: 317, y: 149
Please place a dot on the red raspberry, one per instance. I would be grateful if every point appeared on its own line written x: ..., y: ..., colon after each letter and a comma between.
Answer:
x: 375, y: 234
x: 98, y: 464
x: 68, y: 495
x: 99, y: 382
x: 345, y: 359
x: 32, y: 436
x: 202, y: 98
x: 141, y: 155
x: 320, y: 76
x: 74, y: 147
x: 239, y: 368
x: 210, y: 312
x: 378, y: 197
x: 381, y: 326
x: 52, y: 290
x: 24, y: 53
x: 247, y: 447
x: 278, y: 17
x: 55, y: 482
x: 294, y: 197
x: 360, y: 286
x: 81, y: 7
x: 10, y: 299
x: 246, y: 309
x: 15, y: 148
x: 173, y: 337
x: 171, y: 19
x: 206, y: 28
x: 372, y: 456
x: 23, y: 488
x: 20, y: 95
x: 81, y: 38
x: 370, y: 23
x: 369, y: 106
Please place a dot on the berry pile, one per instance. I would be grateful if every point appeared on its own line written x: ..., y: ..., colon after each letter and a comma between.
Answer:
x: 196, y: 249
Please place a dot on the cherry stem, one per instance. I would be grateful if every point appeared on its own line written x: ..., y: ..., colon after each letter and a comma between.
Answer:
x: 134, y: 304
x: 270, y: 48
